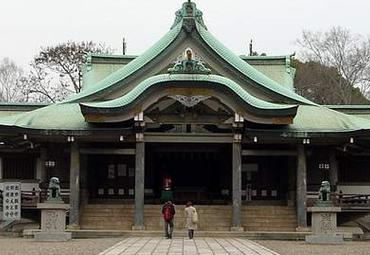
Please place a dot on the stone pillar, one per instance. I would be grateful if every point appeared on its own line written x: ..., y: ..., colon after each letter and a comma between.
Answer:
x: 74, y: 187
x: 301, y: 187
x: 237, y: 186
x: 41, y: 174
x: 139, y: 186
x: 333, y: 174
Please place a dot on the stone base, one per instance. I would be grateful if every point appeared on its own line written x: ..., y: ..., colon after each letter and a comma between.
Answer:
x: 138, y: 228
x: 74, y: 227
x: 325, y: 239
x: 303, y: 229
x: 237, y: 229
x: 53, y: 236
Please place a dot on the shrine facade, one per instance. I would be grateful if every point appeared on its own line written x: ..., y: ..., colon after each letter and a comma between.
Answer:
x: 227, y: 130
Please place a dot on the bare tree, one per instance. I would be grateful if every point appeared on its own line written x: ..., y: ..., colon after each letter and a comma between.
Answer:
x: 64, y: 63
x: 340, y: 49
x: 40, y: 86
x: 320, y: 84
x: 11, y: 80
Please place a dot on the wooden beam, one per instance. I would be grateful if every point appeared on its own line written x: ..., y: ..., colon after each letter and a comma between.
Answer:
x: 269, y: 153
x: 108, y: 151
x: 188, y: 138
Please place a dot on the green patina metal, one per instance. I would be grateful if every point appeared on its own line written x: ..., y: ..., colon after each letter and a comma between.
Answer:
x: 67, y: 115
x: 54, y: 195
x: 309, y: 119
x: 248, y: 70
x: 124, y: 72
x: 143, y: 86
x: 189, y: 66
x: 188, y: 18
x: 324, y: 195
x: 188, y: 14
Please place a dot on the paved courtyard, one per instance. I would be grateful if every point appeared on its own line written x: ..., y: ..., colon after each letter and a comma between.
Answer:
x: 177, y: 246
x: 157, y: 245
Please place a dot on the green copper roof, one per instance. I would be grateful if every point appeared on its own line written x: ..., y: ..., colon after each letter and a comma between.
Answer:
x: 54, y: 117
x: 130, y: 68
x: 146, y: 84
x: 322, y: 119
x: 69, y: 117
x: 189, y: 17
x: 247, y: 69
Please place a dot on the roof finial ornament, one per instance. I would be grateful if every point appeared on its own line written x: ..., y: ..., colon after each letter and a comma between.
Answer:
x: 251, y: 48
x: 188, y: 14
x: 124, y: 46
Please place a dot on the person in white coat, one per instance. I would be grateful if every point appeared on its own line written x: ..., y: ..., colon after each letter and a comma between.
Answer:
x: 191, y: 219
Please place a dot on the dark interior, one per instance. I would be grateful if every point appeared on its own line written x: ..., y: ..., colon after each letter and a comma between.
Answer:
x: 199, y: 172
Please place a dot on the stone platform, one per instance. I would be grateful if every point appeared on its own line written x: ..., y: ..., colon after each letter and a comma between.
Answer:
x: 161, y: 246
x: 253, y: 235
x: 324, y: 226
x: 53, y: 222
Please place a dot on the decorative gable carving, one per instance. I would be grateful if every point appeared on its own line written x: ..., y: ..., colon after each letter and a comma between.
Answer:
x: 189, y: 65
x: 189, y: 101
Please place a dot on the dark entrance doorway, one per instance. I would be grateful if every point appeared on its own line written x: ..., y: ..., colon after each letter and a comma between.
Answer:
x: 199, y: 172
x: 266, y: 178
x: 111, y: 177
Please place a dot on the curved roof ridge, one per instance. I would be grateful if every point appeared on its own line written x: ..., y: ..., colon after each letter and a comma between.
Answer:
x: 146, y: 84
x: 131, y: 67
x: 247, y: 69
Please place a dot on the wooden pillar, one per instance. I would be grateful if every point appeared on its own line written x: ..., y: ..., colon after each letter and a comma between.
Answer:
x: 301, y: 187
x: 333, y: 174
x: 139, y: 186
x: 74, y: 187
x: 237, y: 186
x: 84, y: 187
x: 41, y: 174
x: 292, y: 180
x: 1, y: 168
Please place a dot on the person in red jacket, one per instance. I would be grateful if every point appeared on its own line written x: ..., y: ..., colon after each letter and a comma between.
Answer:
x: 168, y: 212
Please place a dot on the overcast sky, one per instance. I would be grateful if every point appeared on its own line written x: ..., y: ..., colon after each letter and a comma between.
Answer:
x: 274, y: 25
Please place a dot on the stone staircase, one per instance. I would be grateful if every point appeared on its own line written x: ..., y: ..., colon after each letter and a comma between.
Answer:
x: 211, y: 217
x: 269, y: 218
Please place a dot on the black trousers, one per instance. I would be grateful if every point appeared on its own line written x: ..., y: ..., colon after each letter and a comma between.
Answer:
x: 191, y: 233
x: 168, y: 228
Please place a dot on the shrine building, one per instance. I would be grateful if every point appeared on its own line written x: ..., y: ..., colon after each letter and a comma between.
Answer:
x: 229, y: 131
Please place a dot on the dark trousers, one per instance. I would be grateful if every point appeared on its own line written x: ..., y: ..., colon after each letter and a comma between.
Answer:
x: 168, y: 228
x: 191, y: 233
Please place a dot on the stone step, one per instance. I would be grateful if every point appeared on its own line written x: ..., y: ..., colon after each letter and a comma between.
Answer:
x: 269, y: 225
x: 215, y: 218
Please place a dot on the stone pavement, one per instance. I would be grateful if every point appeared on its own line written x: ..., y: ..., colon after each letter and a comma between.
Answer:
x: 177, y: 246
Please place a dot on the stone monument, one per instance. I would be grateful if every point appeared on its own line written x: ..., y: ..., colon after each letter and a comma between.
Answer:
x: 324, y: 219
x: 53, y: 215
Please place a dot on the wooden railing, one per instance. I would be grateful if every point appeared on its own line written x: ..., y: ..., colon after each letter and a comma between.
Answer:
x: 352, y: 200
x: 29, y: 199
x: 342, y: 200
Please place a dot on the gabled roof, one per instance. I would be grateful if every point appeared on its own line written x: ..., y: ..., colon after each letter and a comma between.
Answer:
x: 251, y: 105
x: 69, y: 115
x: 189, y: 18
